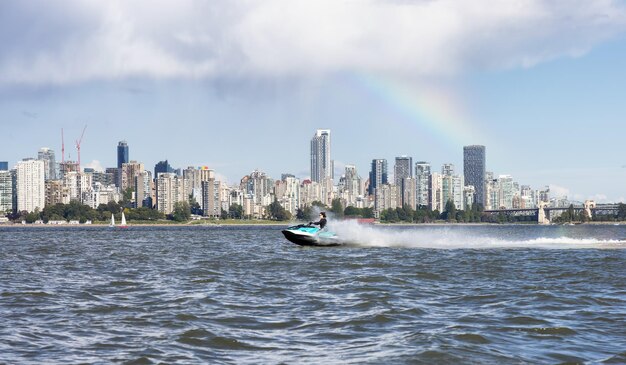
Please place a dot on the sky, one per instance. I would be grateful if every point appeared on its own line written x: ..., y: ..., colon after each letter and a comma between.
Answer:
x: 241, y: 85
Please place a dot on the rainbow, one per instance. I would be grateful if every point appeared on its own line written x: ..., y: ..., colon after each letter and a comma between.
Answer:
x: 429, y: 110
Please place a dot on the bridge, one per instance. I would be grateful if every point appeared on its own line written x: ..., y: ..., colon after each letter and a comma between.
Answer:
x: 544, y: 214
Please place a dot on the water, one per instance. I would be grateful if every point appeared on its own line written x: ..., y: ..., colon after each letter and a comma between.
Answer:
x: 427, y: 294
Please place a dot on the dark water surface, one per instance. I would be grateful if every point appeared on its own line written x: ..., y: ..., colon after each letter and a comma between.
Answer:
x: 492, y: 294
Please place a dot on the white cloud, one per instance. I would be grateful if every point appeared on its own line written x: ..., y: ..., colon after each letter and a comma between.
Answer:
x: 193, y: 38
x: 96, y: 165
x: 557, y: 191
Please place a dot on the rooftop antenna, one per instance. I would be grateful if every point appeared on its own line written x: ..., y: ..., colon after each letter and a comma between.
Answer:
x: 78, y: 142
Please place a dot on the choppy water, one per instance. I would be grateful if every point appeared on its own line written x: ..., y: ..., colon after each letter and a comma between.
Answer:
x: 447, y: 294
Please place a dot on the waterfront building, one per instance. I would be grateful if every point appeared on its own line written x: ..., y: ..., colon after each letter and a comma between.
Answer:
x: 528, y: 199
x: 451, y: 186
x: 350, y: 187
x: 401, y: 170
x: 422, y: 182
x: 507, y: 191
x: 435, y: 190
x: 310, y: 192
x: 6, y: 191
x: 452, y: 190
x: 211, y: 206
x: 101, y: 194
x: 378, y: 175
x: 386, y: 197
x: 492, y: 194
x: 321, y: 163
x: 55, y: 192
x: 287, y: 191
x: 46, y: 155
x: 409, y: 192
x: 259, y: 186
x: 31, y: 189
x: 129, y: 171
x: 194, y: 176
x: 474, y: 165
x: 169, y: 191
x: 143, y: 189
x: 75, y: 186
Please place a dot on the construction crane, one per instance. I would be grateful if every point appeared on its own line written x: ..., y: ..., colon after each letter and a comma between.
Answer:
x: 78, y: 142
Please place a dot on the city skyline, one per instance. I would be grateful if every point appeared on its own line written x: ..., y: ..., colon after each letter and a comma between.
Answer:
x: 542, y: 92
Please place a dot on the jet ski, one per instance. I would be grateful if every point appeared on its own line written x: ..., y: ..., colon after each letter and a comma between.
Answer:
x: 308, y: 235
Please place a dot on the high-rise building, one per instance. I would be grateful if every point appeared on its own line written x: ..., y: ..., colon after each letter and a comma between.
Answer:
x: 474, y: 163
x: 129, y: 171
x: 378, y: 175
x: 402, y: 170
x: 47, y: 156
x: 211, y: 198
x: 4, y: 166
x: 31, y: 188
x: 162, y: 167
x: 169, y: 191
x: 122, y: 154
x: 143, y: 189
x: 6, y: 191
x: 422, y: 182
x: 321, y: 164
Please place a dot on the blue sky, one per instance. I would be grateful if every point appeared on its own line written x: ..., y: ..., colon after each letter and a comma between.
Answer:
x: 241, y: 85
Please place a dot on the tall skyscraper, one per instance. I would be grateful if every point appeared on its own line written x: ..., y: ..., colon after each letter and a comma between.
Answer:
x: 31, y: 188
x: 422, y: 182
x: 122, y: 154
x: 474, y: 170
x: 378, y: 175
x: 50, y: 166
x: 321, y: 164
x: 403, y: 169
x: 4, y: 166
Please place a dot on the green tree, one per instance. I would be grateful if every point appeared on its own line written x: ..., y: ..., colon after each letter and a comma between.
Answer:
x: 367, y: 213
x: 235, y: 211
x: 450, y: 213
x: 304, y: 214
x: 621, y: 211
x: 182, y: 211
x: 352, y: 212
x: 319, y: 204
x: 337, y: 208
x: 32, y: 217
x: 277, y: 212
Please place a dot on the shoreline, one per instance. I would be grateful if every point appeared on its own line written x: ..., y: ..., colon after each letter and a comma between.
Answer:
x: 286, y: 224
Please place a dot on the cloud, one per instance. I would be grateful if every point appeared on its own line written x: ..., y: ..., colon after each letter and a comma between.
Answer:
x: 79, y: 41
x: 96, y: 165
x: 557, y: 191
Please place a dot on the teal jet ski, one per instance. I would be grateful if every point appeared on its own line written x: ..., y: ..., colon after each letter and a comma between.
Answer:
x: 309, y: 235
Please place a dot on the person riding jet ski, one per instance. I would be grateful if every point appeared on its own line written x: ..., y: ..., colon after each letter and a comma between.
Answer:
x: 321, y: 222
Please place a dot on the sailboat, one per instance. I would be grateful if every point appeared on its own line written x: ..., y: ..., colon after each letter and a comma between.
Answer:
x: 123, y: 224
x: 112, y: 221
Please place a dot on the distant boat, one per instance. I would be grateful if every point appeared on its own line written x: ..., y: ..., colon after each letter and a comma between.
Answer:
x: 112, y: 221
x: 123, y: 224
